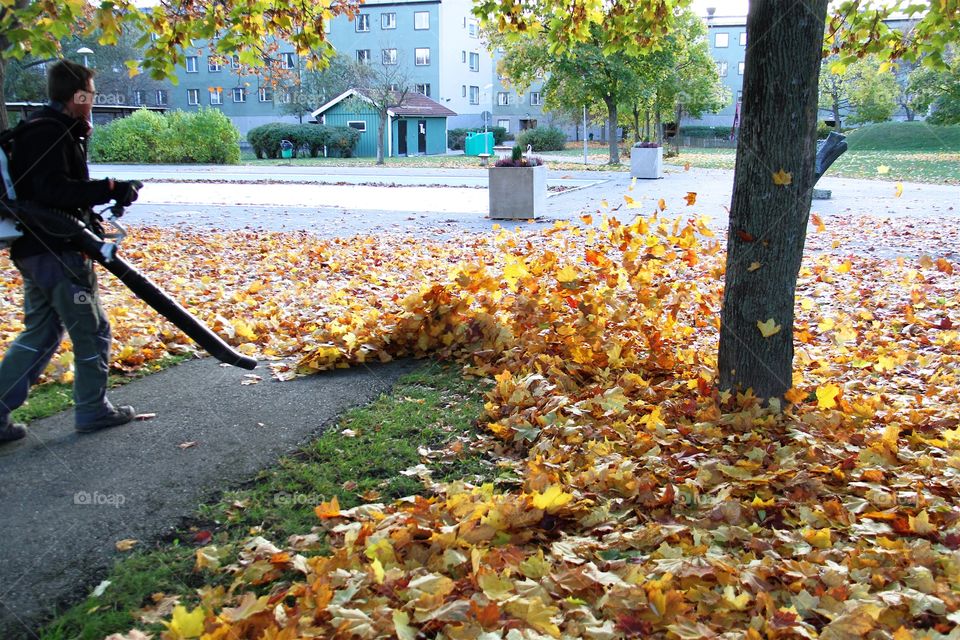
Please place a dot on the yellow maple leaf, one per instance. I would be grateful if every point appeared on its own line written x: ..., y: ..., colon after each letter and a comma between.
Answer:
x: 921, y: 523
x: 243, y: 329
x: 818, y: 223
x: 185, y: 624
x: 662, y: 204
x: 768, y: 328
x: 753, y: 266
x: 902, y: 634
x: 844, y: 267
x: 827, y: 396
x: 762, y: 504
x: 898, y: 190
x: 819, y: 538
x: 378, y: 573
x: 567, y: 274
x: 551, y: 500
x: 534, y: 612
x: 781, y: 178
x: 738, y: 602
x: 628, y: 200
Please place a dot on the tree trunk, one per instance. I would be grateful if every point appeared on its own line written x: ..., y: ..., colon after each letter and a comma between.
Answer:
x: 613, y: 142
x: 646, y: 132
x: 381, y: 127
x: 658, y: 127
x: 4, y: 117
x: 836, y: 113
x: 768, y: 221
x: 636, y: 123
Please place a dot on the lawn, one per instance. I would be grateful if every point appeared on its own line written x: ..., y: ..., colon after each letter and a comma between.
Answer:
x: 909, y: 166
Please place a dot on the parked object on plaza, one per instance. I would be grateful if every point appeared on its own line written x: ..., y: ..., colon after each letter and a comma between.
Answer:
x: 646, y: 160
x: 518, y: 187
x: 477, y: 143
x: 286, y: 149
x: 828, y: 151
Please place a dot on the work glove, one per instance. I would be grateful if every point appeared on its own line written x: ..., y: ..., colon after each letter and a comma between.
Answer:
x: 125, y: 193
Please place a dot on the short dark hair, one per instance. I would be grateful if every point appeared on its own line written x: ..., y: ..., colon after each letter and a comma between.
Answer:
x: 65, y: 78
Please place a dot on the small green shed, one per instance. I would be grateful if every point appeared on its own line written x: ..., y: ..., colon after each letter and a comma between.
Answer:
x: 416, y: 125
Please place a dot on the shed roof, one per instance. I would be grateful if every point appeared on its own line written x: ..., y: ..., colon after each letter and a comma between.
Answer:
x: 412, y: 104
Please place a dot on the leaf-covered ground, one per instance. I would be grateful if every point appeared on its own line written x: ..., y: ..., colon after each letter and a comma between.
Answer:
x: 649, y: 505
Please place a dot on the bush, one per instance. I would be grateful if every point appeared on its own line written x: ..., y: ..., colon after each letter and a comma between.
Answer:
x: 140, y: 137
x: 543, y: 139
x: 721, y: 133
x: 205, y: 136
x: 306, y: 138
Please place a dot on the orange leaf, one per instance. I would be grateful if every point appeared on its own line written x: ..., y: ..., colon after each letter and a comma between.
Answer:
x: 691, y: 198
x: 327, y: 510
x: 817, y: 222
x: 745, y: 236
x: 662, y: 204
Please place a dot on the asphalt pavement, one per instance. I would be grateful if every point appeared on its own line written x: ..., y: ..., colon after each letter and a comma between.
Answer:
x: 66, y: 499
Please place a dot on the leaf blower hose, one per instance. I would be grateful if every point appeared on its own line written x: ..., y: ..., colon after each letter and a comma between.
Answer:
x: 62, y: 224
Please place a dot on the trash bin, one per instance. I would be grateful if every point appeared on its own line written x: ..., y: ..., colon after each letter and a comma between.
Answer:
x: 286, y: 149
x: 477, y: 143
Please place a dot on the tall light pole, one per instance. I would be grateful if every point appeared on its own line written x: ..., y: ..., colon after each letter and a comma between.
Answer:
x: 85, y: 51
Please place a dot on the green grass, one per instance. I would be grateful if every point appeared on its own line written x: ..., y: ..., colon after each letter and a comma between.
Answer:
x: 53, y: 397
x: 427, y: 409
x: 929, y: 167
x: 902, y: 137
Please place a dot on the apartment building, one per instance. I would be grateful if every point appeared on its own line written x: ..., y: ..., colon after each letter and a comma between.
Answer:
x: 433, y: 46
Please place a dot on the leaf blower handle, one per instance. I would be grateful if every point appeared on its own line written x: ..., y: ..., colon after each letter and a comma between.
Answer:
x: 124, y: 193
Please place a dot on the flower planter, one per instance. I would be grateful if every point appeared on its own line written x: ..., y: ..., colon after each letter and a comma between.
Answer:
x: 517, y: 193
x: 646, y: 162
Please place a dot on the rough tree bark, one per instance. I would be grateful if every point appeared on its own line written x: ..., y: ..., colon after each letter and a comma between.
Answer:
x: 768, y: 221
x: 612, y: 118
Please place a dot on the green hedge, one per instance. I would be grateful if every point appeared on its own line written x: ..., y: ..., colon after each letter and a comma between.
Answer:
x: 543, y: 139
x: 456, y: 137
x: 306, y: 138
x: 204, y: 136
x: 722, y: 133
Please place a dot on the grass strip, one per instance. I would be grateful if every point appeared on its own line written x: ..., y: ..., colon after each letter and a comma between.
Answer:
x: 51, y: 398
x: 358, y: 460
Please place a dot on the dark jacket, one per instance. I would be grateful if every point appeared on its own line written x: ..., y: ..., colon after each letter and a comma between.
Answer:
x: 49, y: 167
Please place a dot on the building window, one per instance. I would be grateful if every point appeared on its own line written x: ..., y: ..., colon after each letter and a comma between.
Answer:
x: 388, y: 21
x: 363, y: 56
x: 743, y: 38
x: 474, y: 61
x: 463, y: 56
x: 722, y: 69
x: 423, y: 89
x: 235, y: 62
x: 266, y: 94
x: 193, y: 97
x: 216, y: 95
x: 389, y: 56
x: 191, y: 64
x: 363, y: 22
x: 473, y: 29
x: 721, y: 40
x: 463, y: 90
x: 505, y: 124
x: 421, y: 20
x: 474, y: 95
x: 139, y: 97
x: 286, y: 97
x: 422, y: 57
x: 161, y: 97
x: 740, y: 68
x: 213, y: 64
x: 359, y: 125
x: 288, y: 60
x: 503, y: 98
x: 535, y: 99
x: 239, y: 95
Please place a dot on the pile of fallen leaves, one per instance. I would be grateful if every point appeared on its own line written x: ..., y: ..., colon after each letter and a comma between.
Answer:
x: 649, y: 504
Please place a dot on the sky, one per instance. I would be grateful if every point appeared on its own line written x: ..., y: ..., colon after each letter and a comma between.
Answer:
x: 723, y: 7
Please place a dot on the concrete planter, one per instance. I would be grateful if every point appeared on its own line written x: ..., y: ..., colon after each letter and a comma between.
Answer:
x: 518, y: 193
x: 646, y: 162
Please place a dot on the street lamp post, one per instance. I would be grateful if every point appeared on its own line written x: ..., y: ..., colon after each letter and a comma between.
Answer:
x: 85, y: 51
